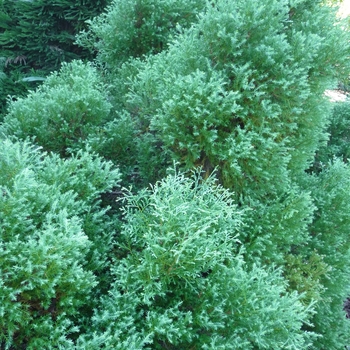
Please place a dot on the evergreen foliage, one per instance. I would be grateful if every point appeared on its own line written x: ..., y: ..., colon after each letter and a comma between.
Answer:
x: 184, y: 285
x: 250, y: 252
x: 37, y: 36
x: 49, y: 250
x: 338, y: 143
x: 241, y: 91
x: 251, y: 68
x: 134, y: 28
x: 62, y: 112
x: 128, y: 31
x: 330, y: 239
x: 121, y: 142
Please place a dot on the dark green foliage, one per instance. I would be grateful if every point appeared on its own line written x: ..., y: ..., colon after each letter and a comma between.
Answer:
x: 137, y: 154
x: 339, y: 140
x: 62, y: 112
x: 10, y: 86
x: 52, y: 240
x: 37, y: 36
x: 42, y: 32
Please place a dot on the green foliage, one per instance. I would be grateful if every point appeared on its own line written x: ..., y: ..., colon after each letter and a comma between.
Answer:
x: 252, y: 69
x: 133, y: 28
x: 61, y: 113
x: 48, y: 209
x: 305, y: 275
x: 241, y: 91
x: 42, y: 33
x: 88, y: 177
x: 37, y: 36
x: 330, y: 238
x: 330, y: 230
x: 10, y: 86
x: 278, y: 226
x: 136, y: 154
x: 126, y: 30
x: 251, y: 253
x: 338, y: 129
x: 184, y: 285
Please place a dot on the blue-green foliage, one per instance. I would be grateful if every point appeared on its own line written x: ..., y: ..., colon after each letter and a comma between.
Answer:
x: 62, y: 112
x: 184, y: 284
x: 241, y: 91
x: 245, y: 64
x: 330, y: 238
x: 250, y: 254
x: 133, y: 28
x: 52, y: 241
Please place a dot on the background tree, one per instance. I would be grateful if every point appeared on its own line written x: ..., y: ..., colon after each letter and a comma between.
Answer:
x: 37, y: 36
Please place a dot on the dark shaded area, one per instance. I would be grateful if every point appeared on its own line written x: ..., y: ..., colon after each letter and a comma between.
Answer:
x: 347, y: 307
x: 36, y: 37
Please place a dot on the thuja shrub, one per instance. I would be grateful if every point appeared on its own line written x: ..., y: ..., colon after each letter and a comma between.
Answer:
x: 126, y: 31
x: 242, y: 91
x: 226, y: 93
x: 89, y: 177
x: 183, y: 283
x: 62, y: 112
x: 338, y: 142
x: 330, y: 238
x: 135, y: 153
x: 133, y: 28
x: 236, y: 92
x: 43, y: 248
x: 46, y: 248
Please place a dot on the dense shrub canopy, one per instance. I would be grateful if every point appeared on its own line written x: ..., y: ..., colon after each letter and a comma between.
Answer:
x: 134, y: 28
x: 47, y: 252
x: 183, y: 282
x: 63, y: 111
x: 229, y: 233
